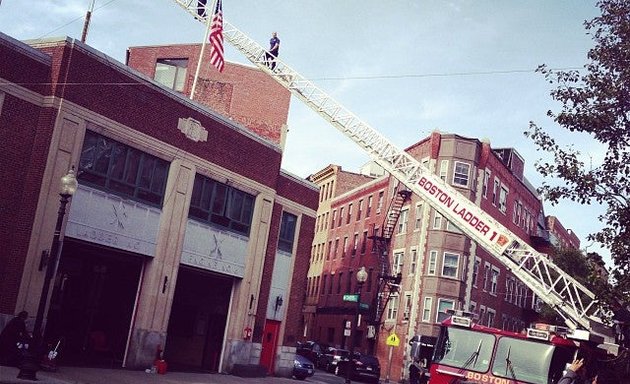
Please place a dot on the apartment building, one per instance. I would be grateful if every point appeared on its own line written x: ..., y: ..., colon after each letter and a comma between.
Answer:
x: 439, y: 267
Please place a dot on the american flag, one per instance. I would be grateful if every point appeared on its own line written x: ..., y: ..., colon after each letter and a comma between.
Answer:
x: 216, y: 38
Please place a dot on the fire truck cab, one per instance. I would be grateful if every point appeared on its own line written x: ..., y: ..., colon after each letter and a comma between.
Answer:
x: 467, y: 353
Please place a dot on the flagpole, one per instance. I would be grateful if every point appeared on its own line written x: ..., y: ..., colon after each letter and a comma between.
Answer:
x: 203, y: 47
x: 86, y: 24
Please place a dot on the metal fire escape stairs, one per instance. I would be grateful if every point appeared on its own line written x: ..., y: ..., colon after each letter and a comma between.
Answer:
x: 381, y: 239
x: 576, y: 304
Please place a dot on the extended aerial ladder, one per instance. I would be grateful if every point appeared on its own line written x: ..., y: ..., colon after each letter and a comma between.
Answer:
x: 576, y: 304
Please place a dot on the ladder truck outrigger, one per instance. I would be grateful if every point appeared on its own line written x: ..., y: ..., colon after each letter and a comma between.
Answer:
x: 465, y: 352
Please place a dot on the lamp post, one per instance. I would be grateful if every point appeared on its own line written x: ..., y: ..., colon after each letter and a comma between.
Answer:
x: 68, y: 187
x: 362, y: 276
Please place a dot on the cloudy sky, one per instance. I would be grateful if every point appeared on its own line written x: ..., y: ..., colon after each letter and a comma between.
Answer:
x: 406, y: 67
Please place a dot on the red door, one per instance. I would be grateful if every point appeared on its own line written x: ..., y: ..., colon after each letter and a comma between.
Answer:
x: 270, y: 340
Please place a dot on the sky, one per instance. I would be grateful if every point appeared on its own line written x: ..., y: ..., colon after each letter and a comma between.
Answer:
x: 406, y: 67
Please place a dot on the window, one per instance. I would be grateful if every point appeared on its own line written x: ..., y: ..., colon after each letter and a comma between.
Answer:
x: 437, y: 221
x: 369, y: 280
x: 414, y: 260
x: 349, y: 213
x: 402, y: 221
x: 364, y: 242
x: 336, y: 248
x: 355, y: 244
x: 418, y: 221
x: 407, y: 311
x: 339, y: 280
x: 452, y: 227
x: 398, y: 262
x: 495, y: 281
x: 426, y: 309
x: 226, y: 206
x: 503, y: 199
x: 171, y: 73
x: 431, y: 265
x: 461, y: 174
x: 450, y: 264
x: 475, y: 272
x: 486, y: 277
x: 443, y: 169
x: 369, y: 206
x: 509, y: 289
x: 330, y: 248
x: 491, y: 315
x: 334, y: 219
x: 495, y: 191
x: 379, y: 205
x: 287, y: 232
x: 392, y: 307
x: 349, y: 282
x: 125, y: 171
x: 360, y: 210
x: 340, y: 217
x: 486, y: 180
x: 344, y: 251
x: 443, y: 305
x: 326, y: 221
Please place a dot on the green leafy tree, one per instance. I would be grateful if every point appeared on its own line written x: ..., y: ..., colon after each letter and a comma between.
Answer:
x: 596, y: 101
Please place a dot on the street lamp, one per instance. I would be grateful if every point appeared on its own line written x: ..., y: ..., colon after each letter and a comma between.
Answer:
x: 68, y: 187
x: 362, y: 277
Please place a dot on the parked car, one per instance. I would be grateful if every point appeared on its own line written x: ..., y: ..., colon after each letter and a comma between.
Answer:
x: 309, y: 349
x: 302, y: 367
x: 330, y: 357
x: 363, y: 367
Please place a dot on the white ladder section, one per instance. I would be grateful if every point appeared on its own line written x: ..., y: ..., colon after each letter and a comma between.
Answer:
x: 574, y: 302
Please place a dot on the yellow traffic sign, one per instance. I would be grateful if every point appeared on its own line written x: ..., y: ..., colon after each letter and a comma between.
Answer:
x: 392, y: 340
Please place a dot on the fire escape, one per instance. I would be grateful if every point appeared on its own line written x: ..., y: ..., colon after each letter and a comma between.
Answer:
x: 388, y: 284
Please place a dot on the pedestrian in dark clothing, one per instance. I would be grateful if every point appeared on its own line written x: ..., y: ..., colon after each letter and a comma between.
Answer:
x: 274, y: 48
x: 416, y: 372
x: 13, y: 333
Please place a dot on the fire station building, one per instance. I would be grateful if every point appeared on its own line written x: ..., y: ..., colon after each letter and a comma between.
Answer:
x: 184, y: 235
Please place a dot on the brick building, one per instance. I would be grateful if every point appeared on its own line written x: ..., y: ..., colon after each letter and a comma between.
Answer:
x: 440, y: 267
x: 184, y: 233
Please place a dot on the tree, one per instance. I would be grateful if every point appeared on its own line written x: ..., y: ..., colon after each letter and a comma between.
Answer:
x: 596, y: 101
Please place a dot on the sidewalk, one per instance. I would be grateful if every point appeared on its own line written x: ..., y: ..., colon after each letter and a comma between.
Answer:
x: 80, y: 375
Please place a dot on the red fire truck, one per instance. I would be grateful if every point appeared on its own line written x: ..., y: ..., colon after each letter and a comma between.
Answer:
x: 467, y: 353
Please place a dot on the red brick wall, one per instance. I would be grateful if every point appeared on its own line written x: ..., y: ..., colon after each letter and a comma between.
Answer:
x: 25, y: 132
x: 156, y: 113
x: 243, y: 93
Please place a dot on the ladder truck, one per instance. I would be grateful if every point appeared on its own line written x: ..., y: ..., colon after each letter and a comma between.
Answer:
x: 584, y: 316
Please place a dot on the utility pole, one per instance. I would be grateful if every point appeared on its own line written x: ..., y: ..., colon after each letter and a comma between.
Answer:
x: 86, y: 24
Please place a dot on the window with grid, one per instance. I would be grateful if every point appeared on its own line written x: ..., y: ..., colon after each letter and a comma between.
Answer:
x: 450, y: 264
x: 171, y: 73
x: 414, y: 260
x: 495, y: 191
x: 418, y: 221
x: 398, y: 262
x: 426, y: 309
x: 437, y: 221
x: 122, y: 170
x: 407, y: 312
x: 495, y: 281
x: 392, y: 307
x: 491, y: 316
x: 225, y: 206
x: 402, y: 221
x: 461, y: 173
x: 287, y: 232
x: 443, y: 169
x: 503, y: 199
x: 486, y: 277
x: 432, y: 264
